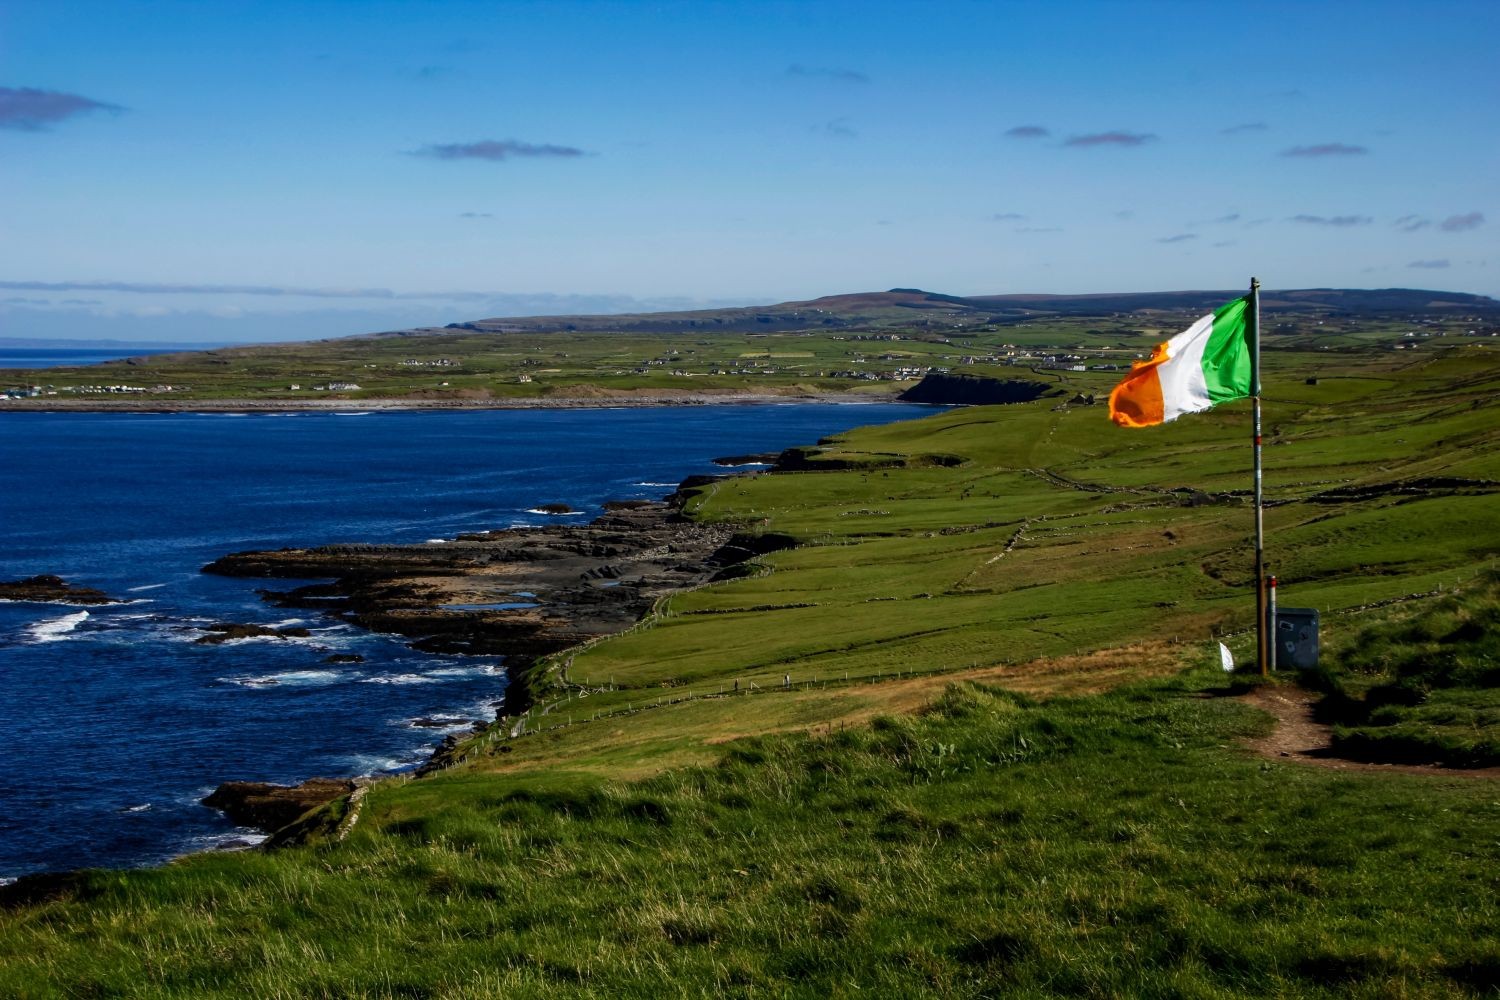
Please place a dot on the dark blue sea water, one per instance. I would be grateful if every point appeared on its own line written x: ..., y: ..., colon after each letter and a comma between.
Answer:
x: 114, y: 723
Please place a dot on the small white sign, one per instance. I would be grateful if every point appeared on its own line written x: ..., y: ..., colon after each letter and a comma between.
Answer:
x: 1225, y: 660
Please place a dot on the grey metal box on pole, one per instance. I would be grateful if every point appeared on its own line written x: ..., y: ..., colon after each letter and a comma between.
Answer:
x: 1294, y: 631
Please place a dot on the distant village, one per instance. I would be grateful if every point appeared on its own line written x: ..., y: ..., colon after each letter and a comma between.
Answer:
x: 33, y: 391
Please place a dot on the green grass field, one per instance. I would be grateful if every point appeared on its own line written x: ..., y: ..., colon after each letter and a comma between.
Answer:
x: 967, y: 738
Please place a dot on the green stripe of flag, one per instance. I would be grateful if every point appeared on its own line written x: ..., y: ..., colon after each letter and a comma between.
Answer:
x: 1226, y: 356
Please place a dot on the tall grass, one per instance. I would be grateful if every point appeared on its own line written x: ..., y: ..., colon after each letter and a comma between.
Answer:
x: 1422, y: 685
x: 991, y: 846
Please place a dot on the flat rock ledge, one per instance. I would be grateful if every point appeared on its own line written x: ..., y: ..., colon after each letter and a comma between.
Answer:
x: 50, y: 589
x: 519, y: 592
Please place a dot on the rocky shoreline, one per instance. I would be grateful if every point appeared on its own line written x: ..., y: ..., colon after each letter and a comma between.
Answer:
x: 522, y: 593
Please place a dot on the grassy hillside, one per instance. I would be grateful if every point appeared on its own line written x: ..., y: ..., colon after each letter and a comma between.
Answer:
x: 967, y: 737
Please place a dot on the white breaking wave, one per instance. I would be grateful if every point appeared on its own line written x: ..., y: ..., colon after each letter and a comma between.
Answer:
x: 242, y: 839
x: 439, y: 725
x: 402, y: 679
x: 370, y: 764
x: 245, y: 640
x: 554, y: 513
x: 654, y: 484
x: 290, y: 678
x: 55, y: 629
x: 148, y: 586
x: 483, y: 670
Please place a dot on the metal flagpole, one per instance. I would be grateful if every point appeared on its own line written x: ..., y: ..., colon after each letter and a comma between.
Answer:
x: 1262, y: 657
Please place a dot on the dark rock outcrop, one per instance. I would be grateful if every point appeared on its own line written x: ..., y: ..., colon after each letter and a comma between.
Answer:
x: 49, y: 589
x: 611, y: 505
x: 643, y: 552
x: 975, y: 390
x: 46, y: 887
x: 269, y: 807
x: 225, y: 631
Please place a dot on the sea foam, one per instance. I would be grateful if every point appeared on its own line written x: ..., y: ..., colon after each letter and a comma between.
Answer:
x: 295, y: 678
x: 56, y: 629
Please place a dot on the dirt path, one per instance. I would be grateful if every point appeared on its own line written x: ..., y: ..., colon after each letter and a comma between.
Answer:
x: 1298, y: 736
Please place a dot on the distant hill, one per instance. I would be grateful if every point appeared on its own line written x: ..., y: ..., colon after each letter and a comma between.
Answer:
x: 907, y: 307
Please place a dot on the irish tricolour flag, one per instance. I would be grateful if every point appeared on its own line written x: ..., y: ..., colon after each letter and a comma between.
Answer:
x: 1207, y: 363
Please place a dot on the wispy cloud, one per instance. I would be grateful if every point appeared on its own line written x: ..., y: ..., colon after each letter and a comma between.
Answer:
x: 1111, y: 139
x: 482, y: 303
x: 1223, y: 243
x: 1462, y: 223
x: 1007, y: 217
x: 496, y: 150
x: 274, y: 291
x: 476, y: 215
x: 1325, y: 149
x: 1179, y: 238
x: 1028, y: 132
x: 28, y: 109
x: 834, y: 73
x: 1223, y: 219
x: 838, y: 128
x: 1039, y: 229
x: 1429, y: 265
x: 1411, y: 223
x: 1333, y: 220
x: 1246, y: 127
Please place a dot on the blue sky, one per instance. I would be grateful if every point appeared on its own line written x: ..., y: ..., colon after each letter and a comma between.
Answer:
x: 261, y: 171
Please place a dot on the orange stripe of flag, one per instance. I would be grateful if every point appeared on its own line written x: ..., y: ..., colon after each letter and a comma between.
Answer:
x: 1137, y: 401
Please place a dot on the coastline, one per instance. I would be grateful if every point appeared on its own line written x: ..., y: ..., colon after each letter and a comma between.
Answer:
x: 550, y: 589
x: 513, y: 699
x: 600, y: 399
x: 636, y: 553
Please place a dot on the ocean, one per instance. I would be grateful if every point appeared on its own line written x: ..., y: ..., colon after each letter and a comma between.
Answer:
x: 114, y: 721
x: 71, y: 357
